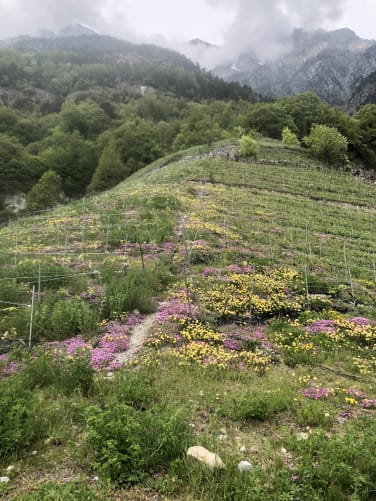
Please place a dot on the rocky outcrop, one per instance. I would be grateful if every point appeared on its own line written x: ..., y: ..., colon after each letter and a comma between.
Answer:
x: 15, y: 203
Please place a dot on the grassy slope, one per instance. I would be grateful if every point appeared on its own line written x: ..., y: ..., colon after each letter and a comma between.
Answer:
x: 264, y: 214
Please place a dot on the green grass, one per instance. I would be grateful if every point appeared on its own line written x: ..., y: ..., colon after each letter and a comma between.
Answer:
x: 103, y: 256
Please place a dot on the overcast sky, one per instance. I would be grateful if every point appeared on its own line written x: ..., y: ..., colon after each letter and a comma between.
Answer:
x: 210, y: 20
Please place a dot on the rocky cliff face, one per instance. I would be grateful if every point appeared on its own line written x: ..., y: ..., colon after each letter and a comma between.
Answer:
x: 335, y: 65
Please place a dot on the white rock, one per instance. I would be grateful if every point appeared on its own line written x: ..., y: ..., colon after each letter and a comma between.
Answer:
x: 302, y: 436
x: 245, y: 466
x: 10, y: 468
x: 243, y: 449
x: 222, y: 437
x: 34, y: 453
x: 4, y: 480
x: 201, y: 454
x: 283, y: 450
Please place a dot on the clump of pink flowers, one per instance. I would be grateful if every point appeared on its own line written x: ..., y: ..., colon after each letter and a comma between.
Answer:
x: 175, y: 309
x: 242, y: 270
x: 8, y: 368
x: 103, y: 356
x: 316, y: 393
x: 360, y: 321
x: 368, y: 403
x: 321, y: 326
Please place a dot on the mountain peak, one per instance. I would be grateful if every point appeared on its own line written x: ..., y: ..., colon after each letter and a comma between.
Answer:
x: 76, y: 29
x: 202, y: 43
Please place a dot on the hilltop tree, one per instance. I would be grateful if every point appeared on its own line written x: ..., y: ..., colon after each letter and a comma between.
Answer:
x: 110, y: 170
x: 327, y: 144
x: 46, y: 193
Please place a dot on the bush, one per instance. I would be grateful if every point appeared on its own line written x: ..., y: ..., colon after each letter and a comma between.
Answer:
x: 344, y: 465
x: 327, y: 144
x: 18, y: 424
x: 137, y: 389
x: 128, y: 444
x: 133, y: 291
x: 289, y: 138
x: 257, y: 405
x: 249, y: 147
x: 58, y: 319
x: 58, y: 276
x: 64, y: 373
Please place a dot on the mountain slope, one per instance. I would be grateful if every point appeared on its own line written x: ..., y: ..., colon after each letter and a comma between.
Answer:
x: 62, y: 65
x: 262, y: 347
x: 327, y: 63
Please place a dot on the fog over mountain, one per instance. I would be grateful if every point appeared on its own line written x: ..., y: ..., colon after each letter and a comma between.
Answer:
x: 278, y: 47
x: 29, y: 16
x: 265, y: 27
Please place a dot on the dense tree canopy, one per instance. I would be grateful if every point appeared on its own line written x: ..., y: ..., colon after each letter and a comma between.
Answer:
x: 94, y: 111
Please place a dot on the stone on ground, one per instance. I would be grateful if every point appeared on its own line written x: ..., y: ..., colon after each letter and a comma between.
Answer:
x: 210, y: 458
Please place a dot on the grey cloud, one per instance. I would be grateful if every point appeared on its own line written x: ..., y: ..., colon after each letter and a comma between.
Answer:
x: 28, y: 16
x: 265, y: 26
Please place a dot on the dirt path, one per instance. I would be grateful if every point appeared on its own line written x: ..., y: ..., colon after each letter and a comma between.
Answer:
x: 137, y: 338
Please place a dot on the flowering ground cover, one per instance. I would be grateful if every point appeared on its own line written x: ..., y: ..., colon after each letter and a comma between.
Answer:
x: 263, y: 347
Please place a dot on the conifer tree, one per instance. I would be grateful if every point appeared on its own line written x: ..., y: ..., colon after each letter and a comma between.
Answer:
x: 110, y: 170
x: 46, y: 193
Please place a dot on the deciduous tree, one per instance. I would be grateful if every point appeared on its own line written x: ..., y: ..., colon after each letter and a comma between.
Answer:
x: 327, y: 144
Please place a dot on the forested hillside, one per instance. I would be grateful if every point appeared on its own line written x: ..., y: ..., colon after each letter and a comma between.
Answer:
x: 94, y: 109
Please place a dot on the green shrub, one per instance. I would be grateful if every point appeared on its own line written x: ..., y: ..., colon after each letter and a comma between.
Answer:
x: 133, y: 291
x: 13, y: 292
x: 137, y: 389
x: 18, y: 422
x: 58, y: 319
x: 289, y: 138
x: 249, y: 147
x: 313, y: 413
x: 64, y: 373
x: 16, y: 322
x: 338, y: 467
x: 257, y: 405
x: 128, y: 444
x: 53, y: 276
x: 327, y: 144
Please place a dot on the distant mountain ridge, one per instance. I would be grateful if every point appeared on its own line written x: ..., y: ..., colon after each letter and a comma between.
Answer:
x: 71, y: 30
x: 333, y: 64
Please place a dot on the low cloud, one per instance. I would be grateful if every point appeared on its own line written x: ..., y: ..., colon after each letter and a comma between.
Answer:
x: 265, y: 26
x: 29, y: 16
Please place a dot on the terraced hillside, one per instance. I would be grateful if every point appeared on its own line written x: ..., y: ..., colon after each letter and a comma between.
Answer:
x: 262, y: 275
